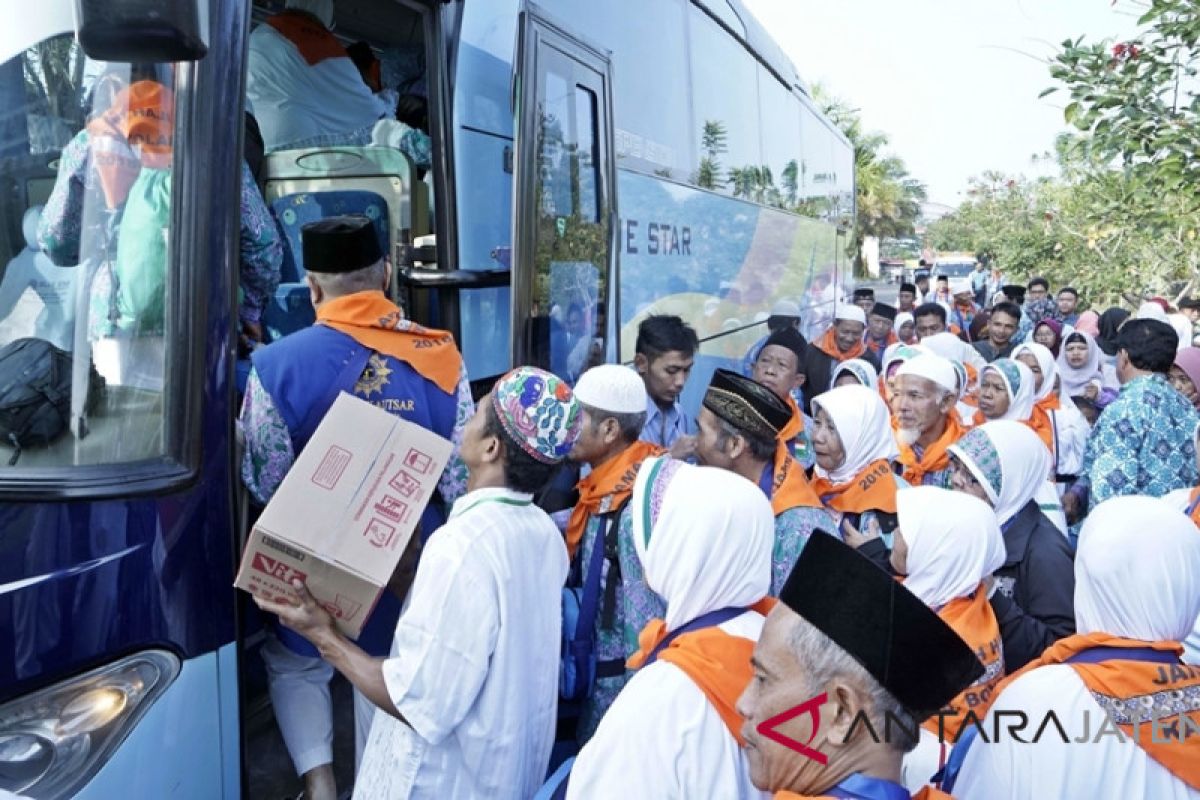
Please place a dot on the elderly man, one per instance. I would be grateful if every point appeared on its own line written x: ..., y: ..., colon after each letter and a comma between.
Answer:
x: 880, y: 334
x: 613, y: 404
x: 703, y: 537
x: 742, y: 425
x: 467, y: 697
x: 1142, y: 443
x: 778, y: 368
x: 841, y: 342
x: 926, y: 425
x: 664, y: 354
x: 1125, y: 707
x: 963, y: 310
x: 784, y: 315
x: 361, y: 344
x: 849, y: 663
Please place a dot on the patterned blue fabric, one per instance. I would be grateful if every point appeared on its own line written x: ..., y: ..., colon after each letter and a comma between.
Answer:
x: 1142, y: 443
x: 792, y: 531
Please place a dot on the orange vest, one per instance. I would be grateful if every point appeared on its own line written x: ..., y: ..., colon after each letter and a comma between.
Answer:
x: 873, y: 489
x: 827, y: 344
x: 310, y: 37
x: 613, y: 480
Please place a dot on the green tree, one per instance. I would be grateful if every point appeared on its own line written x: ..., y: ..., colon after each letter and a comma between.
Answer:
x: 713, y: 143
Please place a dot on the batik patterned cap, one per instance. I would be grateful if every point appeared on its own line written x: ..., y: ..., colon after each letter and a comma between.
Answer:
x: 980, y: 456
x: 539, y: 412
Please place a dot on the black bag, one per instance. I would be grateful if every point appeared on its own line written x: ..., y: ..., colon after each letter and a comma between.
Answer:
x: 35, y: 393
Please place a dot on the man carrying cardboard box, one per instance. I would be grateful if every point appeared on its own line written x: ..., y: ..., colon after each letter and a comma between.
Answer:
x: 469, y: 691
x: 362, y: 345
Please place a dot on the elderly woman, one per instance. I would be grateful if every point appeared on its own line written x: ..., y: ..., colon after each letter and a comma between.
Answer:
x: 947, y: 547
x: 856, y: 371
x: 852, y: 437
x: 1004, y: 464
x: 704, y: 538
x: 1059, y: 425
x: 1120, y: 670
x: 1006, y: 390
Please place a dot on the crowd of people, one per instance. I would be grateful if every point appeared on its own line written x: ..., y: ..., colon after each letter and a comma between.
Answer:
x: 830, y: 581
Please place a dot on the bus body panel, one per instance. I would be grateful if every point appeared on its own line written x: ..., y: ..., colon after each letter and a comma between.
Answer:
x: 184, y: 748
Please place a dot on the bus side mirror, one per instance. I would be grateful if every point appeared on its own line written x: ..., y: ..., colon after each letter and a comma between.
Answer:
x: 141, y: 31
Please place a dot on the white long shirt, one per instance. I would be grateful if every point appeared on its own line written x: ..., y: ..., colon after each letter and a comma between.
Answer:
x: 1010, y: 770
x: 474, y: 665
x: 663, y: 739
x: 294, y: 101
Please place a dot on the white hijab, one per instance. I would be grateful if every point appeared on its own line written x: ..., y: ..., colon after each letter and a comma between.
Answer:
x: 704, y: 537
x: 1137, y: 571
x: 953, y: 543
x: 863, y: 371
x: 1009, y: 461
x: 1020, y: 395
x: 1045, y: 360
x: 863, y: 423
x: 1075, y: 380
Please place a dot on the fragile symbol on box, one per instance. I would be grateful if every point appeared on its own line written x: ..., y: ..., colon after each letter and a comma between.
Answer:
x: 331, y: 467
x: 405, y: 484
x: 380, y: 534
x: 391, y: 508
x: 277, y: 569
x: 418, y: 461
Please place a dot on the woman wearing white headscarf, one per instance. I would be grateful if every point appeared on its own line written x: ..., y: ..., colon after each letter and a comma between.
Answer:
x: 854, y: 445
x: 904, y: 328
x: 1005, y: 392
x: 1004, y: 464
x: 1121, y: 668
x: 947, y: 547
x: 704, y: 537
x: 855, y: 370
x: 1056, y: 422
x: 1079, y: 370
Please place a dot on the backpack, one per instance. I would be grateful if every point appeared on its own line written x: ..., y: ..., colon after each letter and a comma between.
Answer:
x: 578, y: 667
x: 35, y: 393
x: 140, y: 268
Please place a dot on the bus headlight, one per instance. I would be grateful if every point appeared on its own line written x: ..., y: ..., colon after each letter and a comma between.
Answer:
x: 53, y: 741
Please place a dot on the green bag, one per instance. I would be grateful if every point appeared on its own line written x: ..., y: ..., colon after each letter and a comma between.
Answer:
x: 140, y: 268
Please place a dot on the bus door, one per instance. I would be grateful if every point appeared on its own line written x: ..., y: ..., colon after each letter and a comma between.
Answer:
x: 563, y: 312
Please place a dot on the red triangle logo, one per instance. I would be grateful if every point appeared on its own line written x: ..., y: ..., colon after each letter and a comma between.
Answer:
x: 811, y: 707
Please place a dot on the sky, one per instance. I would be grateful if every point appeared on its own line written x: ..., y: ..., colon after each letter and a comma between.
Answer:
x: 953, y: 83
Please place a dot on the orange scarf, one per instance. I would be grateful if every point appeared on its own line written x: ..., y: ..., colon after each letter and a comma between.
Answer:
x: 311, y: 38
x: 873, y: 489
x: 1041, y: 422
x: 789, y: 486
x: 376, y: 322
x: 1124, y: 680
x: 827, y: 344
x: 718, y: 663
x: 606, y: 487
x: 1192, y: 502
x: 136, y: 131
x: 936, y: 457
x: 974, y: 621
x: 795, y: 425
x: 875, y: 346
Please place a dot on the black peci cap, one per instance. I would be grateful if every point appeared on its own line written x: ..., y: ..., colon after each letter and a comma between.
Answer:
x: 884, y: 310
x: 898, y: 639
x: 746, y: 405
x: 340, y: 244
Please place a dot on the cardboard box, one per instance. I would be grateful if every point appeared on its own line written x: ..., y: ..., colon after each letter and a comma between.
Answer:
x: 345, y: 511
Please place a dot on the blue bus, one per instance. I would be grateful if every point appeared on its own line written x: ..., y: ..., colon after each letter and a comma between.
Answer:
x: 592, y: 163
